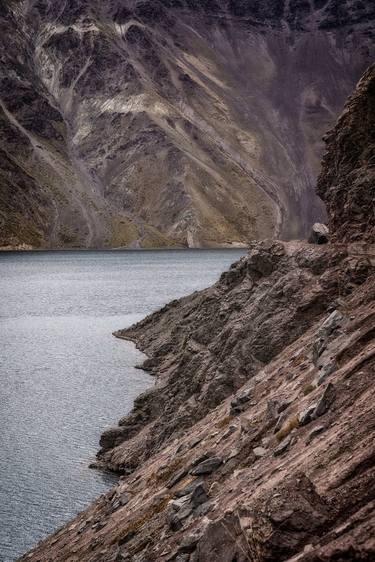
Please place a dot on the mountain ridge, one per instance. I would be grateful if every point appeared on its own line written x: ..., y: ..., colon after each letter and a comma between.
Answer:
x: 146, y: 124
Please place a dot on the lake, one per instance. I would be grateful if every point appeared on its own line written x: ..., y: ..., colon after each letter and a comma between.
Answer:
x: 64, y: 377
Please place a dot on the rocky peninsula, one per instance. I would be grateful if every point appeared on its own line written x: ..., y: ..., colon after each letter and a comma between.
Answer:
x: 257, y: 441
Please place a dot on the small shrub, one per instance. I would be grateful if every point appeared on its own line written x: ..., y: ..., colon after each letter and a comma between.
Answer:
x: 307, y: 389
x: 290, y: 424
x: 137, y: 524
x: 223, y: 423
x: 169, y: 470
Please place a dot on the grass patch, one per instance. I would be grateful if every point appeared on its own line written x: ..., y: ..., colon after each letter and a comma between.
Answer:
x: 290, y: 424
x: 223, y: 423
x: 156, y: 239
x: 129, y: 533
x: 124, y: 233
x: 307, y: 389
x: 168, y: 472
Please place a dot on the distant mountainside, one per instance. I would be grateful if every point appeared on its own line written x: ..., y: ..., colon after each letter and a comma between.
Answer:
x: 156, y: 123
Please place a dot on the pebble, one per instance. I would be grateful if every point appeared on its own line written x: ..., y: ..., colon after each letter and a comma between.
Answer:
x: 259, y: 452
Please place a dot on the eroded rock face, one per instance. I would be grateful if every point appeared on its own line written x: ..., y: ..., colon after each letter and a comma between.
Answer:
x: 206, y: 346
x: 153, y: 123
x: 347, y: 180
x: 204, y: 493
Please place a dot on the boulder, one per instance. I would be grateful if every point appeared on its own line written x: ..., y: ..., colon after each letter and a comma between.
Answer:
x: 326, y: 371
x: 331, y: 324
x: 325, y: 401
x: 319, y: 234
x: 305, y: 417
x: 283, y: 447
x: 199, y: 495
x: 207, y: 467
x: 239, y: 402
x: 189, y: 542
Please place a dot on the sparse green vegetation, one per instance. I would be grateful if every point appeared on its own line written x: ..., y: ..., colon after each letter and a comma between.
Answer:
x: 223, y: 423
x: 125, y: 233
x: 307, y: 389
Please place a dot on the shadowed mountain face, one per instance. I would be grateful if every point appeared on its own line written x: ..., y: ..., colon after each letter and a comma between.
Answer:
x: 153, y: 123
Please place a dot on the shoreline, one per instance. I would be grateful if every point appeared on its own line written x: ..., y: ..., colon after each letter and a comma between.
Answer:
x: 117, y: 250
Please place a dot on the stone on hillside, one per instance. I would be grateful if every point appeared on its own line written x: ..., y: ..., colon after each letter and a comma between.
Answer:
x: 305, y: 417
x: 259, y: 452
x: 174, y: 522
x: 199, y: 496
x: 238, y: 403
x: 283, y: 447
x: 178, y: 504
x: 326, y: 371
x: 189, y: 542
x: 319, y: 234
x: 331, y: 323
x: 188, y: 489
x: 325, y: 401
x: 314, y: 433
x: 177, y: 477
x: 207, y: 467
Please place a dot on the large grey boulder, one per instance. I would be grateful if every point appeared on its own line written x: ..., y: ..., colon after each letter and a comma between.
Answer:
x: 319, y: 234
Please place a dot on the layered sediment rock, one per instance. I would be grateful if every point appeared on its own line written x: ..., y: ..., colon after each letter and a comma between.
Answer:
x: 203, y: 348
x: 256, y: 478
x: 154, y: 123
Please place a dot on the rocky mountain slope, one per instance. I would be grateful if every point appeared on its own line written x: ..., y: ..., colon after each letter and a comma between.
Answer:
x: 257, y: 441
x: 154, y: 123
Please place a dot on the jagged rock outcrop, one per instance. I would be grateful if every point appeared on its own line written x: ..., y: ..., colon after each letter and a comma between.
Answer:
x: 209, y: 496
x: 257, y: 442
x: 347, y: 180
x: 204, y: 347
x: 154, y: 123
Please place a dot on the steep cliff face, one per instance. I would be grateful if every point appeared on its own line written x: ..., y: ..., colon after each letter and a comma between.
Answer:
x: 138, y: 123
x: 347, y: 181
x: 257, y: 442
